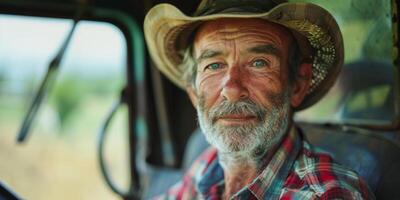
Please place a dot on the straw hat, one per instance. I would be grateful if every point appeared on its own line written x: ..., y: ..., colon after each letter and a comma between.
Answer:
x: 167, y: 31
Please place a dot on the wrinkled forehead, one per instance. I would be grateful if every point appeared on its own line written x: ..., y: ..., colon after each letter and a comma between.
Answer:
x: 232, y: 27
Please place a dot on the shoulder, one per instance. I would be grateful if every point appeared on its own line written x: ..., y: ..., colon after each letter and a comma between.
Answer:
x: 317, y: 175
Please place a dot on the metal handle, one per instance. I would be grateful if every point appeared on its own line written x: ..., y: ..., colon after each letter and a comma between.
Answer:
x: 131, y: 194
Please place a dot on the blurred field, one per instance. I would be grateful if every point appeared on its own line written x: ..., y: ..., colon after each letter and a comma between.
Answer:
x: 54, y: 165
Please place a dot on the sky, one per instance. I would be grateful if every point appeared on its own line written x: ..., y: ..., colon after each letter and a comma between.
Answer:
x: 27, y: 45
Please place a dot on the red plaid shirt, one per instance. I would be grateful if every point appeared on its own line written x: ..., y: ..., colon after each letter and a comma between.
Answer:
x: 295, y: 172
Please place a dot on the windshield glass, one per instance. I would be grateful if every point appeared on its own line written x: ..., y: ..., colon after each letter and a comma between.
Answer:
x: 58, y: 160
x: 365, y: 90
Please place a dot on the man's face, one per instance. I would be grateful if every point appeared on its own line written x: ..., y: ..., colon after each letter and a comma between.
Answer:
x: 242, y: 90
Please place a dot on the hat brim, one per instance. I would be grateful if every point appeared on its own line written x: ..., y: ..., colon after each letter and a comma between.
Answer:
x: 167, y: 31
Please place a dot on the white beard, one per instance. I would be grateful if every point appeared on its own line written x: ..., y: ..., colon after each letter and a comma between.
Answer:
x: 271, y: 126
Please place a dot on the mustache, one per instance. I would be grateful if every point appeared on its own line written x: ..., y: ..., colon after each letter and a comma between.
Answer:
x: 244, y: 107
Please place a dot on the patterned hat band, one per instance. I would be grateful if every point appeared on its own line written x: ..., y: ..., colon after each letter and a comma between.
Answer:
x: 321, y: 41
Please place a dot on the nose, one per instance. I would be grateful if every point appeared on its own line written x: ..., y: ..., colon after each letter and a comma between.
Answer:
x: 233, y: 89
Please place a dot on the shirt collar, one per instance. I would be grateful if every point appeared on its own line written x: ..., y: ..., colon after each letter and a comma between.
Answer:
x: 212, y: 178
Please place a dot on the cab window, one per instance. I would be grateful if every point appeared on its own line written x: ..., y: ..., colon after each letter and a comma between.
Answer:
x: 58, y: 160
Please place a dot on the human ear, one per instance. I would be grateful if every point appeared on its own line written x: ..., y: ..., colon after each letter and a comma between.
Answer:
x: 301, y: 85
x: 192, y: 95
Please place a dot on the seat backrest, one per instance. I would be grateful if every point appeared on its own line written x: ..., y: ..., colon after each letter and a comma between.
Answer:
x: 375, y: 158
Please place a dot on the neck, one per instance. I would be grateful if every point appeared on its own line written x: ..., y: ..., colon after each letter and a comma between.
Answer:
x: 241, y: 168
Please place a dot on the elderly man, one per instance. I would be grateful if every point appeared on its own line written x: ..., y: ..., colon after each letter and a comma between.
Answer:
x: 247, y: 66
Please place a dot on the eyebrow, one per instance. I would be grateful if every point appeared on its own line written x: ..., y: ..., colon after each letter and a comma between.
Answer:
x: 265, y: 49
x: 208, y: 54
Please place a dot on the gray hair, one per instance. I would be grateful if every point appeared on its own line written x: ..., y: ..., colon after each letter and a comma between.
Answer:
x: 189, y: 65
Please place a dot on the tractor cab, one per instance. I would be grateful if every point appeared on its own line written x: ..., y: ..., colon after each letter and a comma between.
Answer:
x: 85, y: 114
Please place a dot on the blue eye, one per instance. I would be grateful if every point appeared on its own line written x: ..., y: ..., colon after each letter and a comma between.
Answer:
x: 214, y: 66
x: 259, y: 63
